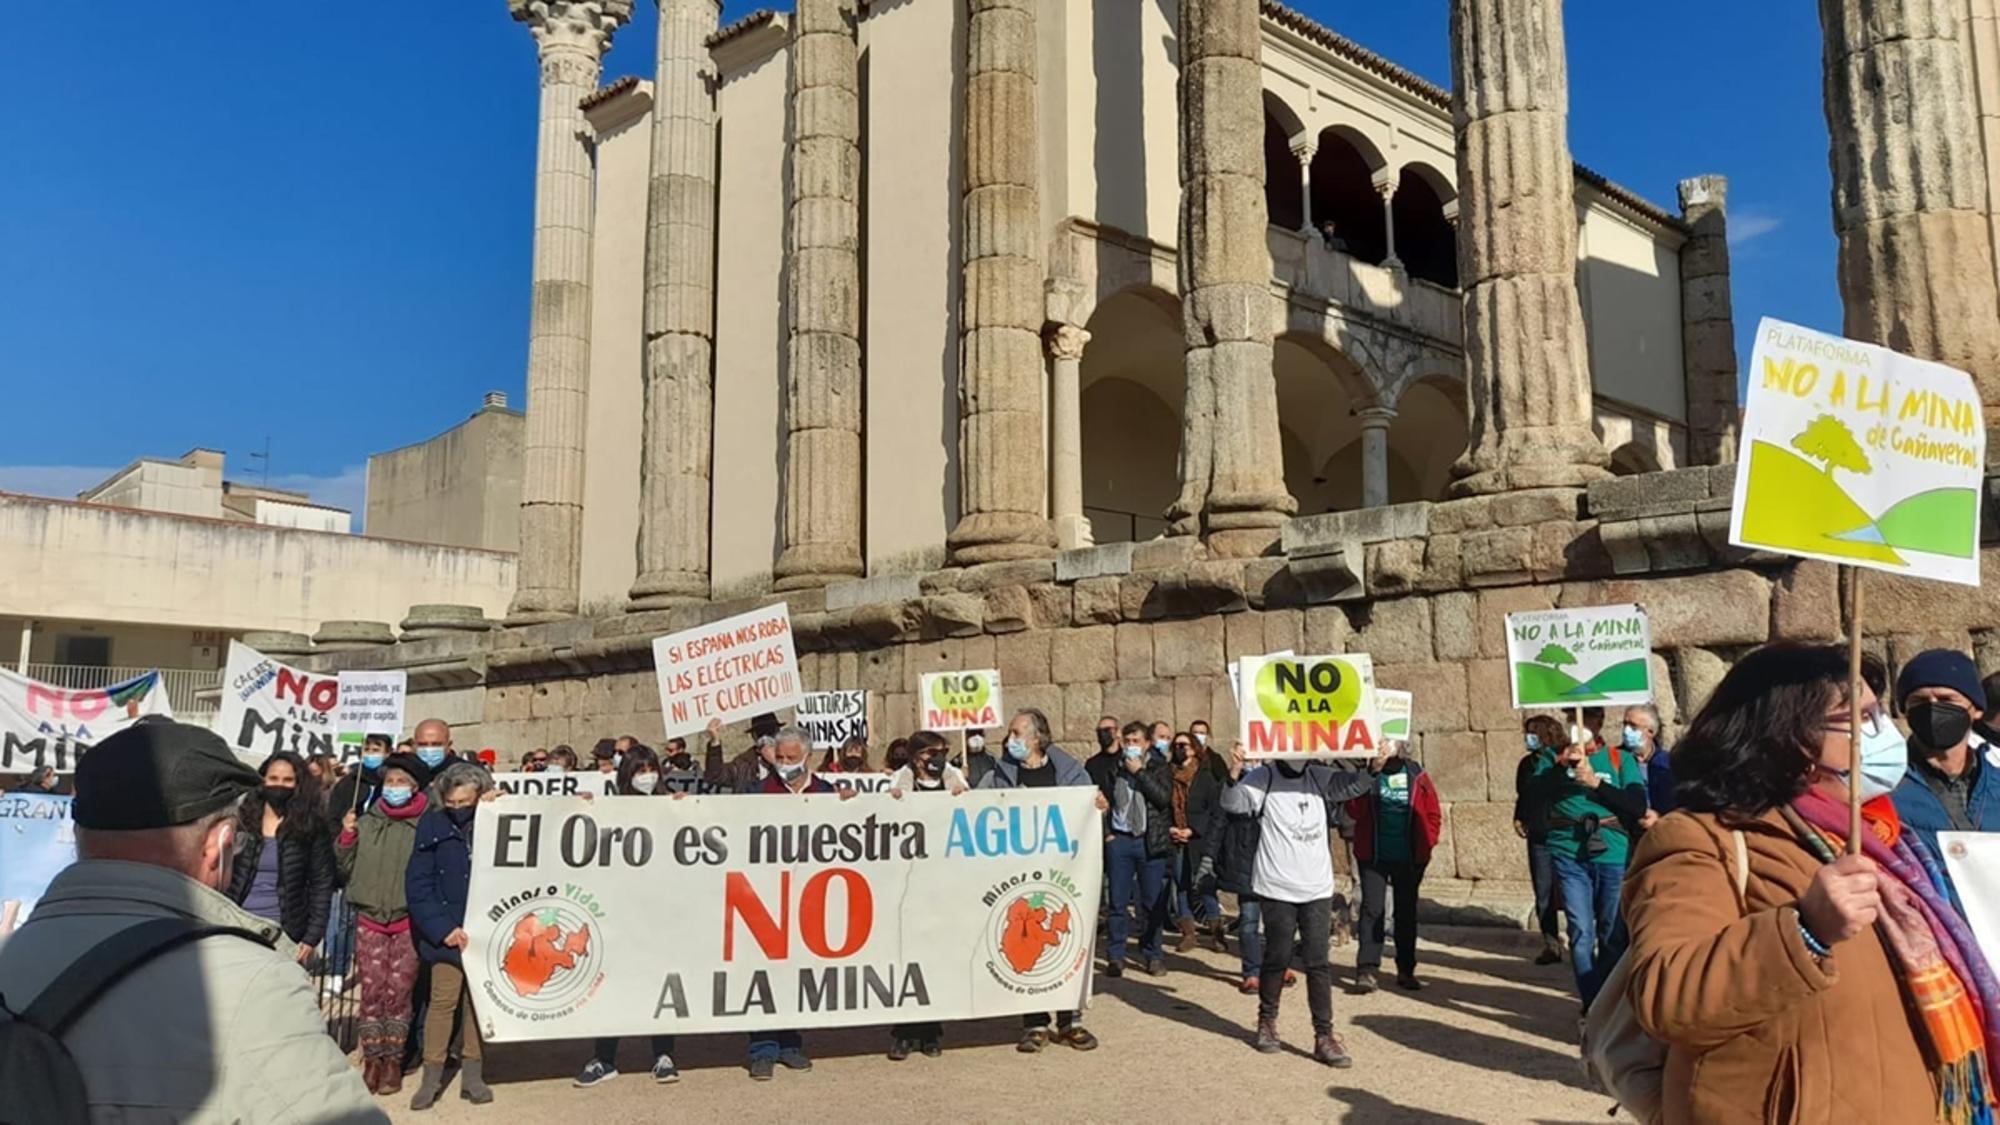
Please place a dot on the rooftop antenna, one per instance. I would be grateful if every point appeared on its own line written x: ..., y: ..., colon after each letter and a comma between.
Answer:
x: 265, y: 457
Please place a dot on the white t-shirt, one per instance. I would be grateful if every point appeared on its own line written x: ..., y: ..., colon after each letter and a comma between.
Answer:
x: 1293, y: 864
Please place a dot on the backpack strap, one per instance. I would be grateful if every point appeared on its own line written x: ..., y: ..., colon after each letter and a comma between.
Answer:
x: 110, y: 961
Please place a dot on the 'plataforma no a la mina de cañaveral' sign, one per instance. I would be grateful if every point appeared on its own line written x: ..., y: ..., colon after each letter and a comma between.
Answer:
x: 1597, y: 656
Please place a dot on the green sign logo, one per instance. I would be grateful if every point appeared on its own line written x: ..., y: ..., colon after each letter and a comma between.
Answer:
x: 962, y: 691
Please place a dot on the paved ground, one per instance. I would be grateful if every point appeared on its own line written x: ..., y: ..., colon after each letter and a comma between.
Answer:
x: 1491, y: 1040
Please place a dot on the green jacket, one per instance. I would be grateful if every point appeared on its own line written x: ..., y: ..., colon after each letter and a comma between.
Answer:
x: 222, y: 1030
x: 1618, y: 802
x: 374, y: 861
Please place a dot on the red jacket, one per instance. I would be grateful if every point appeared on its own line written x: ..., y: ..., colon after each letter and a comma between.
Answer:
x: 1426, y: 817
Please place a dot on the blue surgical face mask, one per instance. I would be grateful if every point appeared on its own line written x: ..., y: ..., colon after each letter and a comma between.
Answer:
x: 1634, y: 738
x: 396, y: 796
x: 373, y: 761
x: 1534, y: 741
x: 431, y: 756
x: 1885, y: 757
x: 1161, y: 745
x: 1131, y: 752
x: 1017, y: 749
x: 789, y: 772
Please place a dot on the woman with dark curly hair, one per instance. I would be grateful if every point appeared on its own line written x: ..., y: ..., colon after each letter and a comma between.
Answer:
x: 1778, y: 971
x: 285, y: 871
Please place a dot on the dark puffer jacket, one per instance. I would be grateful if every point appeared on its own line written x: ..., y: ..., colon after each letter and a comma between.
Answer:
x: 306, y: 876
x: 440, y: 874
x: 1155, y: 784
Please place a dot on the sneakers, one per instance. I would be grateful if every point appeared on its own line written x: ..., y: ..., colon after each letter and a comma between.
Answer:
x: 1156, y: 967
x: 664, y: 1070
x: 762, y: 1067
x: 1114, y: 969
x: 1075, y: 1036
x: 594, y: 1074
x: 1032, y: 1040
x: 795, y: 1058
x: 1328, y: 1049
x: 1267, y: 1041
x: 899, y: 1049
x: 1408, y: 982
x: 931, y: 1046
x: 1364, y: 981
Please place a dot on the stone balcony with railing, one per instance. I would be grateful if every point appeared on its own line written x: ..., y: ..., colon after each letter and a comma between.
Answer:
x: 1304, y: 264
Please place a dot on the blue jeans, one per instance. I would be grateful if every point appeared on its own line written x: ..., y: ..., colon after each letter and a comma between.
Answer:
x: 1250, y: 934
x: 1133, y: 872
x: 769, y: 1044
x: 1590, y: 901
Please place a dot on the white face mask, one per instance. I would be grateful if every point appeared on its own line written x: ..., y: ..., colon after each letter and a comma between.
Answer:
x: 645, y: 782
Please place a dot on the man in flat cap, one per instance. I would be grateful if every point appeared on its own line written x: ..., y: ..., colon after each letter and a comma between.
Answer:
x: 223, y: 1028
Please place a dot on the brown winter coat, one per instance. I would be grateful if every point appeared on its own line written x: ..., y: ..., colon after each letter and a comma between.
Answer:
x: 1756, y: 1030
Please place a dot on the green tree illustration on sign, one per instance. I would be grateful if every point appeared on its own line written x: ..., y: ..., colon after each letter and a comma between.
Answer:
x: 1828, y: 439
x: 1555, y: 656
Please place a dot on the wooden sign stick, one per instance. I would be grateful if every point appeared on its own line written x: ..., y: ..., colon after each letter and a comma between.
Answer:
x: 1854, y: 709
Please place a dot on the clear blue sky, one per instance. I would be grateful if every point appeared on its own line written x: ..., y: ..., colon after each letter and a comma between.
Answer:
x: 311, y: 221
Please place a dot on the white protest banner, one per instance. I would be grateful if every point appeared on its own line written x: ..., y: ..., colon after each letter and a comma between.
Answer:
x: 830, y: 718
x: 370, y: 703
x: 860, y: 782
x: 1393, y: 708
x: 1972, y: 859
x: 1233, y: 665
x: 37, y: 840
x: 1856, y: 454
x: 712, y: 914
x: 736, y: 668
x: 268, y: 707
x: 565, y: 784
x: 689, y: 781
x: 1308, y: 706
x: 45, y: 725
x: 960, y: 701
x: 1600, y: 656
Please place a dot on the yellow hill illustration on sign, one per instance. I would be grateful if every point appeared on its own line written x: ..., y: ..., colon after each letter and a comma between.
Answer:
x: 1856, y: 454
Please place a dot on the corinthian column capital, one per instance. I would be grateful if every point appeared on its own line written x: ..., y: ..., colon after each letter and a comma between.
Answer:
x: 572, y: 35
x: 1066, y: 341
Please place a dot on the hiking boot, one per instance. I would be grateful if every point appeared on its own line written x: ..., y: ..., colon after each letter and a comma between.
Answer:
x: 664, y: 1070
x: 1408, y: 982
x: 1364, y: 981
x: 1551, y: 953
x: 1328, y: 1049
x: 899, y: 1049
x: 1267, y: 1042
x: 1216, y: 940
x: 392, y: 1077
x: 472, y: 1084
x: 1189, y: 938
x: 594, y: 1074
x: 1032, y: 1040
x: 430, y: 1088
x: 1156, y: 967
x: 1114, y: 969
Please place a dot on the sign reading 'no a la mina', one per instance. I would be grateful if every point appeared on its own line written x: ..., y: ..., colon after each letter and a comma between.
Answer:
x: 1599, y: 656
x: 960, y: 700
x: 1308, y: 706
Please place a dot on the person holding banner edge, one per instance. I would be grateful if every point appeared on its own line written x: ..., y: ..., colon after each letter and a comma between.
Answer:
x: 930, y: 771
x: 1033, y: 761
x: 436, y: 885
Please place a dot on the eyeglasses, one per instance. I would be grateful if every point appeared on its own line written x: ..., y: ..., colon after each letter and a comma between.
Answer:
x: 1872, y: 720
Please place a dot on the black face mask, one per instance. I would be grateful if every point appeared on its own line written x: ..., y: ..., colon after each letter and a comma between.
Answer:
x: 933, y: 767
x: 278, y: 796
x: 1180, y: 754
x: 682, y: 761
x: 1104, y: 738
x: 1937, y: 727
x: 462, y: 817
x: 853, y: 765
x: 1290, y: 768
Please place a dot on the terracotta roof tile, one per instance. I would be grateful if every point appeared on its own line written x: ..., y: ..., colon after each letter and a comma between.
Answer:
x: 604, y: 94
x: 748, y: 23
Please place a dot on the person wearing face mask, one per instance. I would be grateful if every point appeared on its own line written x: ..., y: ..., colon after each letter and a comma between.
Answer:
x: 604, y: 756
x: 1949, y: 787
x: 223, y: 1027
x: 1292, y: 803
x: 1641, y: 738
x: 435, y: 884
x: 978, y: 763
x: 1777, y: 970
x: 1396, y: 826
x: 284, y: 863
x: 638, y: 776
x: 431, y: 742
x: 1033, y: 761
x: 562, y: 759
x: 676, y: 757
x: 374, y: 851
x: 1138, y: 844
x: 746, y: 772
x: 356, y: 791
x: 1531, y: 823
x: 929, y: 771
x: 850, y: 756
x: 1591, y: 798
x: 1197, y: 821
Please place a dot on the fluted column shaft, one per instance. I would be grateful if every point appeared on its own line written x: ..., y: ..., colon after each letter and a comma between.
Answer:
x: 1708, y: 323
x: 1909, y: 187
x: 679, y: 314
x: 571, y: 37
x: 1002, y: 470
x: 823, y: 381
x: 1527, y: 375
x: 1232, y: 474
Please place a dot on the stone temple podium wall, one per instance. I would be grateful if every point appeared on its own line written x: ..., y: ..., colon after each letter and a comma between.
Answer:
x: 1143, y: 631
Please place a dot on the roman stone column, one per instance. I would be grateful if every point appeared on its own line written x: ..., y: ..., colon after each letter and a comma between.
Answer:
x: 1980, y: 33
x: 823, y: 382
x: 1375, y: 422
x: 1232, y: 474
x: 679, y: 314
x: 1003, y: 472
x: 1066, y: 343
x: 571, y: 37
x: 1527, y: 376
x: 1909, y: 189
x: 1387, y: 190
x: 1708, y: 324
x: 1303, y: 150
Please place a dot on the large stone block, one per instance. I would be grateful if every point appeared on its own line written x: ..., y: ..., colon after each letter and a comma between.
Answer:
x: 507, y: 702
x: 1082, y: 704
x: 1135, y: 651
x: 1327, y: 631
x: 1805, y: 602
x: 1008, y: 609
x: 1438, y: 694
x: 1050, y: 606
x: 1086, y: 654
x: 1697, y: 671
x: 1284, y: 630
x: 1194, y: 698
x: 1333, y: 530
x: 1243, y: 635
x: 1135, y: 598
x: 1484, y: 845
x: 1456, y: 761
x: 1455, y: 625
x: 1490, y: 696
x: 1106, y: 559
x: 1499, y: 556
x: 954, y: 615
x: 1188, y: 647
x: 1504, y: 751
x: 1143, y: 700
x: 1046, y: 698
x: 1397, y: 631
x: 1916, y: 605
x: 1024, y: 658
x: 1396, y: 567
x: 930, y: 657
x: 978, y: 652
x: 1729, y: 607
x: 1097, y: 601
x: 1495, y: 605
x: 881, y: 669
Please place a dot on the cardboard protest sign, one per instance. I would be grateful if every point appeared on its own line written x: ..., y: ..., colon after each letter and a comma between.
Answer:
x: 370, y: 703
x: 268, y: 706
x: 1972, y: 859
x: 1393, y: 708
x: 37, y: 840
x: 1234, y: 665
x: 1855, y: 454
x: 830, y: 718
x: 45, y: 725
x: 566, y: 784
x: 807, y: 912
x: 734, y: 669
x: 1599, y: 656
x: 1308, y: 706
x: 960, y: 701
